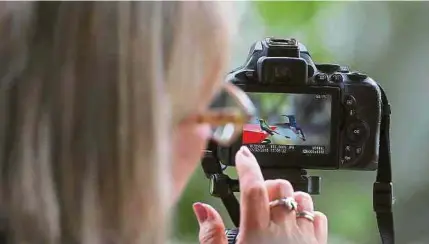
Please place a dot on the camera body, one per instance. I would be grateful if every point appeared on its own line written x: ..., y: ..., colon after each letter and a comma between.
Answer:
x: 310, y: 116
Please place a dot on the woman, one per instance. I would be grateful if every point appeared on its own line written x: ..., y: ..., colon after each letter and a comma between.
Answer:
x: 96, y: 138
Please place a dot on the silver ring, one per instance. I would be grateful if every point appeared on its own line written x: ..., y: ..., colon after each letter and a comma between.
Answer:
x: 305, y: 214
x: 288, y: 202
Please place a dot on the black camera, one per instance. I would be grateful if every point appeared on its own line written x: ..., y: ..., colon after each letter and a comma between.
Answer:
x: 309, y: 116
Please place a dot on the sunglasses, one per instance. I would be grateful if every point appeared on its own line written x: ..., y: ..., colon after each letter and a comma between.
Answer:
x: 227, y: 120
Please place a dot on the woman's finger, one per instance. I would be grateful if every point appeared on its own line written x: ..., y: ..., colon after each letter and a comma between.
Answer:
x: 278, y: 189
x: 212, y: 228
x: 305, y: 203
x: 255, y: 213
x: 321, y: 227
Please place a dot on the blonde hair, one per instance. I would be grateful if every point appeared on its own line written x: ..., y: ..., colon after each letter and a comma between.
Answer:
x: 90, y: 93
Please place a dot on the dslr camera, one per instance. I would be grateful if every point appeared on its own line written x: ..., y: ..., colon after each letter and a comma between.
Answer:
x: 309, y: 116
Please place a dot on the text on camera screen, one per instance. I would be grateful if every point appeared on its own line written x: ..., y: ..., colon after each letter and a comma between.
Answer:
x: 288, y: 122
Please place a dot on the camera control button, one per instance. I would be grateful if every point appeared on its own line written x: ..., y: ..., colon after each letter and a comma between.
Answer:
x: 351, y: 112
x: 357, y: 131
x: 350, y: 101
x: 337, y: 78
x: 358, y: 151
x: 348, y: 152
x: 347, y: 149
x: 321, y: 78
x: 347, y: 158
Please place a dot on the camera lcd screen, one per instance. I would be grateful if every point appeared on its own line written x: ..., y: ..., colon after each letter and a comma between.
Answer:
x: 289, y: 123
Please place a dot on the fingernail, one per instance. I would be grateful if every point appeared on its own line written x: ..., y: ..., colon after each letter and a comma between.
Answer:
x: 200, y: 211
x: 245, y: 151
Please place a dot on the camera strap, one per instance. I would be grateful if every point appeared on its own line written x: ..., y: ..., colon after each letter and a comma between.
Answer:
x: 382, y: 191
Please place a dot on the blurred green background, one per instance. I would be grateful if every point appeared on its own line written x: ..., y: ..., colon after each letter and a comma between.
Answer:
x: 388, y: 41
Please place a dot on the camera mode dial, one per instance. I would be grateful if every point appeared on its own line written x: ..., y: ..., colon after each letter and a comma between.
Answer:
x: 328, y: 68
x: 357, y: 77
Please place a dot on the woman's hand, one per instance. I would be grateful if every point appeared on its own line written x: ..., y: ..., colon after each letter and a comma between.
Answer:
x: 260, y: 223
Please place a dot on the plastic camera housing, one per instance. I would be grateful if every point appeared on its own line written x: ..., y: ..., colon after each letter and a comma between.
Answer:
x: 284, y: 66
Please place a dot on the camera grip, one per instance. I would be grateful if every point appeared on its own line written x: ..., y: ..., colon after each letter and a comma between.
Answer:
x: 231, y: 235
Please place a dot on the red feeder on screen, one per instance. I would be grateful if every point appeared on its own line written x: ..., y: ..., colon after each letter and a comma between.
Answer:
x: 253, y: 134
